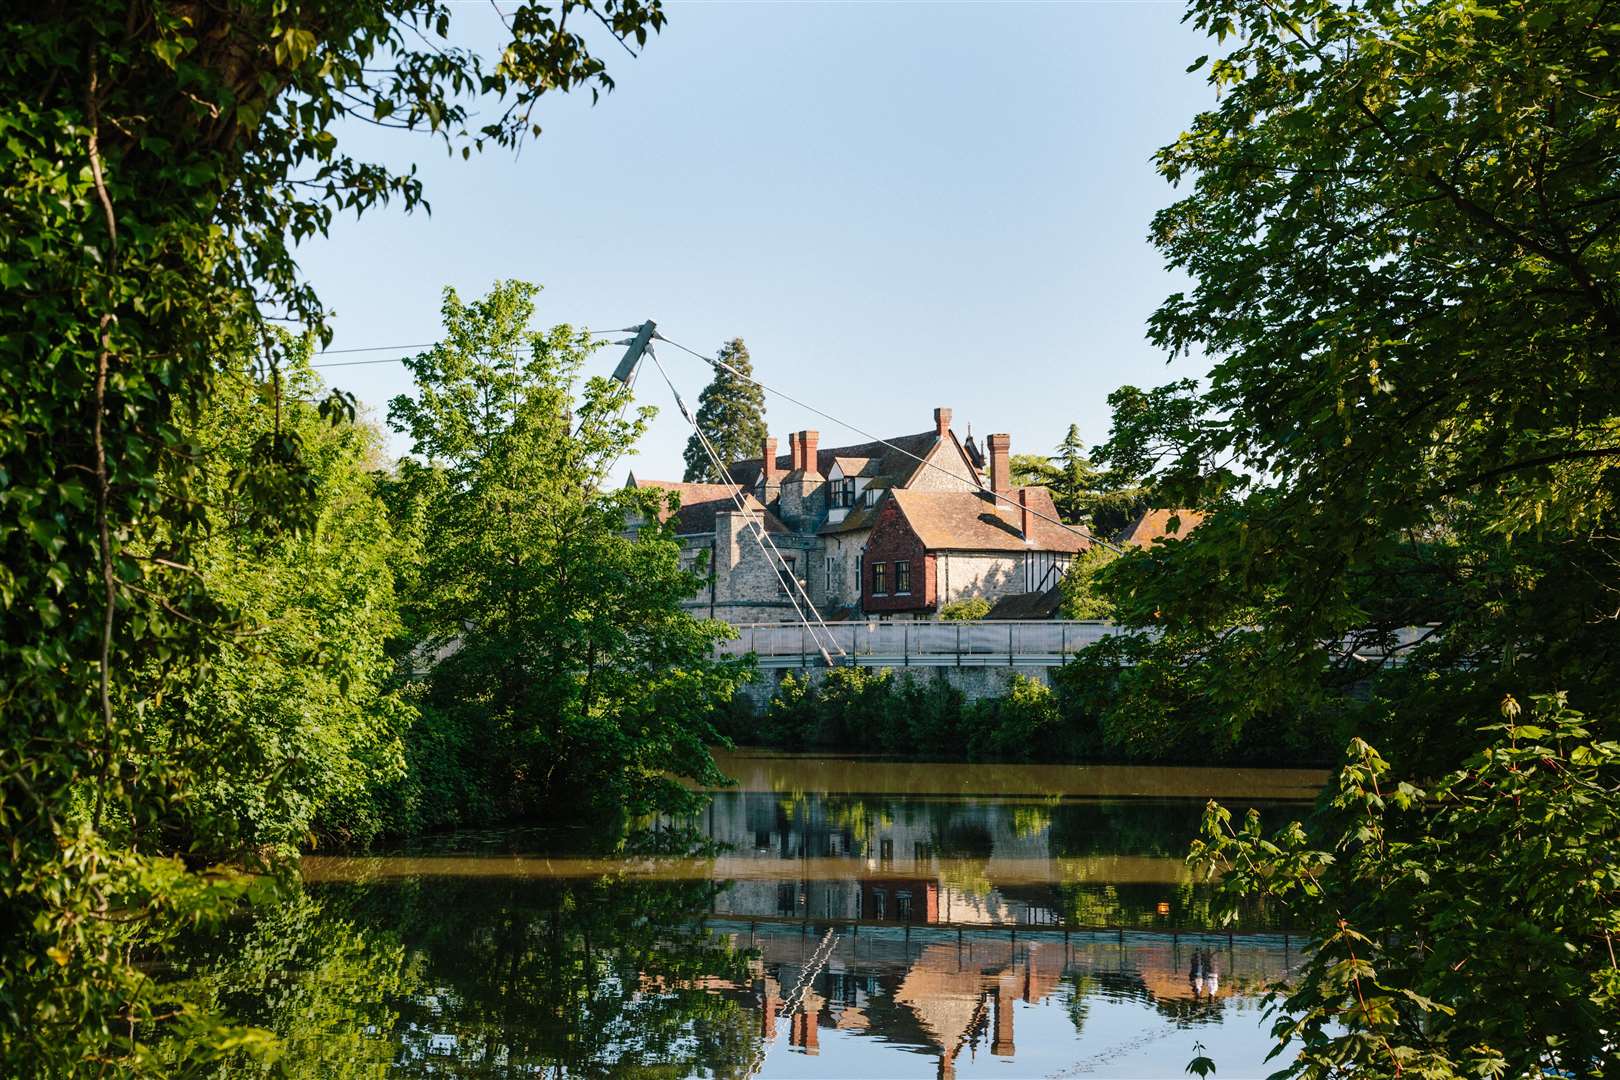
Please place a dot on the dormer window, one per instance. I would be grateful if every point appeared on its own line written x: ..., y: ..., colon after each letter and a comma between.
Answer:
x: 843, y: 493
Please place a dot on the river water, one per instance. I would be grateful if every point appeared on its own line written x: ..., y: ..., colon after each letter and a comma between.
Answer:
x: 843, y: 918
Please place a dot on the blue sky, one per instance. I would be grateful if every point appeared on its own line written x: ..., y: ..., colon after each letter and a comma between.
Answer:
x: 897, y: 206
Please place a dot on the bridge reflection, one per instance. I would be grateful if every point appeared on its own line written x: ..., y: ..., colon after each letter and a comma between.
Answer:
x: 960, y: 993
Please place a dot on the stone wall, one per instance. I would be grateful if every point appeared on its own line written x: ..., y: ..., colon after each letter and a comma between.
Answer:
x: 744, y: 585
x: 952, y: 474
x: 963, y: 574
x: 844, y: 552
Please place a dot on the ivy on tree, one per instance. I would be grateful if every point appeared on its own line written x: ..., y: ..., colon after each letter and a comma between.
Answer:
x: 158, y: 164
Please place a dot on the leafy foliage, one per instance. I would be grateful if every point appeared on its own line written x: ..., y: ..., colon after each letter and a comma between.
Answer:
x: 731, y: 413
x: 552, y: 640
x: 969, y: 609
x: 293, y: 728
x: 1448, y: 920
x: 1406, y: 261
x: 1103, y: 500
x: 158, y: 164
x: 1083, y: 598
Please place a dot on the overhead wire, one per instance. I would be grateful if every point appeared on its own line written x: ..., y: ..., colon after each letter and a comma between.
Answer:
x: 761, y: 535
x: 721, y: 365
x: 398, y: 348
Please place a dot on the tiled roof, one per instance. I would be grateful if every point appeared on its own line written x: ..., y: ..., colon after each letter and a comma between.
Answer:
x: 1155, y: 525
x: 701, y: 502
x: 967, y: 521
x: 882, y: 460
x: 1029, y: 605
x: 859, y: 517
x: 855, y: 466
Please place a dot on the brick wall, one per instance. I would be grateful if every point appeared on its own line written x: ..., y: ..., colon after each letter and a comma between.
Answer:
x: 893, y: 540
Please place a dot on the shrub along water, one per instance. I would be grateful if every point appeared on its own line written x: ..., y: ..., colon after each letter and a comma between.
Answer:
x: 919, y: 713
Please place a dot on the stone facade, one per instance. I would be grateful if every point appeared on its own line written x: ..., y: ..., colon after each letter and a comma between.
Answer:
x: 914, y: 509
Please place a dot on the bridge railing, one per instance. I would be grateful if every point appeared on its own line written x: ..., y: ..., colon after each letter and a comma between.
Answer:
x: 924, y: 643
x: 921, y: 642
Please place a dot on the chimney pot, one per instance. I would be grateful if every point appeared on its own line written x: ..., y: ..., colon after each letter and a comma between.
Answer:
x: 942, y: 421
x: 1000, y: 465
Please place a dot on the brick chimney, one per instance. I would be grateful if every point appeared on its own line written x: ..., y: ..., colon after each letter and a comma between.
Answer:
x: 794, y: 464
x: 804, y: 498
x: 808, y: 441
x: 1000, y: 447
x: 942, y: 422
x: 1025, y: 520
x: 771, y: 479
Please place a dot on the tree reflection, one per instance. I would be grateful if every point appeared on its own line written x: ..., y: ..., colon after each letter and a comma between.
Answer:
x: 486, y: 977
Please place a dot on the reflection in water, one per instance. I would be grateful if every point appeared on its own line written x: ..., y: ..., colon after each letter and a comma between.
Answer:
x: 848, y: 931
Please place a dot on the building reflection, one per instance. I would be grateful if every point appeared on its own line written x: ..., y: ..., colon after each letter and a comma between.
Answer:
x: 931, y: 924
x: 952, y: 994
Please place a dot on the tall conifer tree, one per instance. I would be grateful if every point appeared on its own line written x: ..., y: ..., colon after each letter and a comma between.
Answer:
x: 731, y: 412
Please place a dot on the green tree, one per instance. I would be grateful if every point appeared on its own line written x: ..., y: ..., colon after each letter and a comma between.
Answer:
x: 1402, y: 238
x: 1104, y: 501
x: 1083, y: 597
x: 966, y: 610
x: 159, y: 162
x: 557, y: 648
x: 1464, y: 928
x: 1406, y: 268
x: 293, y: 730
x: 731, y: 413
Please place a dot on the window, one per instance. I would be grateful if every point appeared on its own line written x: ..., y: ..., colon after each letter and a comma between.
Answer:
x: 787, y: 572
x: 831, y: 575
x: 902, y: 576
x: 880, y: 579
x: 843, y: 493
x: 902, y: 905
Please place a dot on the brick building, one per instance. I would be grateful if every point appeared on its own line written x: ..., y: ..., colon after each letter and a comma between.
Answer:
x: 888, y: 529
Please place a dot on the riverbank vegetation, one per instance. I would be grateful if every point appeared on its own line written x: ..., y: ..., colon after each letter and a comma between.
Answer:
x: 918, y: 713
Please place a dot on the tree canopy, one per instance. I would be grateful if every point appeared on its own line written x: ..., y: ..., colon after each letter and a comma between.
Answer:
x: 558, y: 660
x: 731, y: 413
x: 1403, y: 233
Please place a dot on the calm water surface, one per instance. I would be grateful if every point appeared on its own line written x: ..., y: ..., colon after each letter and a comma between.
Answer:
x: 846, y: 918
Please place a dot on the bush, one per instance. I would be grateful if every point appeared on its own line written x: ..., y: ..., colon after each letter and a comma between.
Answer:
x: 974, y: 607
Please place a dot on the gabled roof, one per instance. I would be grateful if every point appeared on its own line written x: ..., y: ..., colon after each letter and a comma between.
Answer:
x: 890, y: 459
x: 968, y: 521
x: 1154, y: 525
x: 701, y: 502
